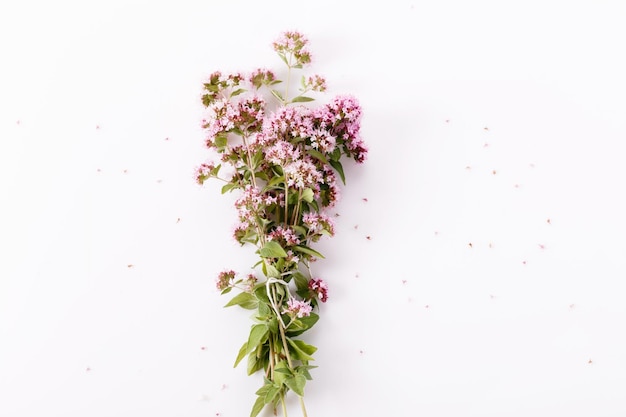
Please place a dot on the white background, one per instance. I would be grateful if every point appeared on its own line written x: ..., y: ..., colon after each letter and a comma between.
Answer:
x: 492, y: 282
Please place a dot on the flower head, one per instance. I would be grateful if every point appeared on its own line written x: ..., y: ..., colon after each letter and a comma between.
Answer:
x: 319, y: 288
x: 298, y: 308
x: 225, y: 279
x: 292, y: 44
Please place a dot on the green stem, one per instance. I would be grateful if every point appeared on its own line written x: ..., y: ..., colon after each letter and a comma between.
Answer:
x: 297, y: 209
x: 286, y: 202
x: 303, y: 407
x: 282, y: 401
x: 288, y: 77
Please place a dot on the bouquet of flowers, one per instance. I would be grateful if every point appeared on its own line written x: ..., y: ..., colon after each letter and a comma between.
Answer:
x: 284, y: 158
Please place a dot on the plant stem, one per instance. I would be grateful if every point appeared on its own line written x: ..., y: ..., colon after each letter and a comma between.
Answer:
x: 288, y: 76
x: 286, y: 202
x: 303, y: 407
x: 282, y: 401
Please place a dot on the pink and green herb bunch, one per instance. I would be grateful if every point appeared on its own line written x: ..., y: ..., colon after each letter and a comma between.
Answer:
x: 283, y: 157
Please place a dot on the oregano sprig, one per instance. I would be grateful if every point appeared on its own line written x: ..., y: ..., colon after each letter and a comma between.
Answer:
x: 282, y: 159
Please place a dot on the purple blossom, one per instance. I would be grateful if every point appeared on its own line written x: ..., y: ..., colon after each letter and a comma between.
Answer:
x: 302, y: 174
x: 225, y: 279
x: 319, y: 288
x: 317, y: 223
x: 298, y: 308
x: 281, y: 153
x: 286, y: 236
x: 203, y: 172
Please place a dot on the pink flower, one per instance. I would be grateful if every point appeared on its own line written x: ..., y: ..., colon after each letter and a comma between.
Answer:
x: 298, y: 308
x: 319, y: 288
x: 225, y: 279
x: 286, y: 236
x: 203, y: 172
x: 293, y: 43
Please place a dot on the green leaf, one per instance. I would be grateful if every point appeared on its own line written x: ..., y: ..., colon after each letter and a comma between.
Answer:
x: 228, y: 187
x: 307, y: 195
x: 258, y: 406
x: 245, y: 300
x: 221, y: 140
x: 261, y: 294
x: 256, y: 360
x: 252, y: 363
x: 258, y: 335
x: 279, y: 179
x: 272, y: 249
x: 302, y: 282
x: 242, y: 354
x: 296, y: 384
x: 237, y: 92
x: 308, y: 251
x: 301, y: 99
x: 301, y: 350
x: 271, y: 271
x: 317, y: 155
x: 339, y: 168
x: 281, y: 372
x: 301, y: 325
x: 304, y: 370
x: 278, y: 96
x: 271, y: 394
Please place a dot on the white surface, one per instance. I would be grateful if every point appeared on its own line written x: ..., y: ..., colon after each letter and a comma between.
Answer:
x: 418, y: 322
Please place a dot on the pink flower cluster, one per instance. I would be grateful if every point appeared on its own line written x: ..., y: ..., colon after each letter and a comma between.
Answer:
x: 319, y: 288
x: 225, y: 279
x: 298, y: 308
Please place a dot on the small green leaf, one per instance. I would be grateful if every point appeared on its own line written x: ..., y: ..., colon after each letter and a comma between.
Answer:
x: 228, y: 187
x: 308, y: 251
x: 339, y: 168
x: 278, y: 96
x: 281, y: 372
x: 258, y: 406
x: 279, y: 179
x: 261, y: 294
x: 272, y: 249
x: 258, y: 335
x: 271, y: 394
x: 256, y: 360
x: 301, y: 99
x: 296, y: 384
x: 307, y: 195
x: 317, y: 155
x: 221, y: 140
x: 245, y: 300
x: 301, y: 350
x: 271, y: 271
x: 301, y: 325
x: 242, y: 354
x: 252, y: 363
x: 237, y: 92
x: 302, y: 282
